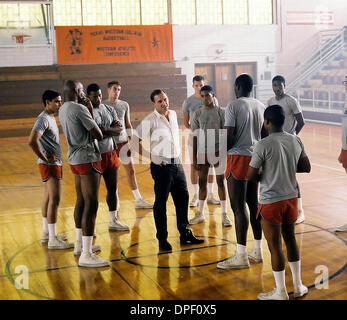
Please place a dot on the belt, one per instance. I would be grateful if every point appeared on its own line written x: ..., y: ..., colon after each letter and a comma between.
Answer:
x: 168, y: 160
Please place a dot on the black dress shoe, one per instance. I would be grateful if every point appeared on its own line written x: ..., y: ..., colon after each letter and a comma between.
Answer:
x: 165, y: 245
x: 189, y: 238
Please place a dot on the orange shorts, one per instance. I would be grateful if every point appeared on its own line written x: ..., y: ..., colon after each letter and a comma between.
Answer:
x: 237, y: 166
x: 285, y: 211
x: 343, y: 158
x: 126, y: 150
x: 47, y: 171
x: 109, y: 160
x: 84, y: 168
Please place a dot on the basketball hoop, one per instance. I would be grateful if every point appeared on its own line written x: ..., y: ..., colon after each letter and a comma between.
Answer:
x: 20, y: 38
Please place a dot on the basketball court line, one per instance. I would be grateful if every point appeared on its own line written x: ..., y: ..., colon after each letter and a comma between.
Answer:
x: 9, y: 275
x: 327, y: 167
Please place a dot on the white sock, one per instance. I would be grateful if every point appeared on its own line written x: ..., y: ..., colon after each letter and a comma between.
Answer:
x: 118, y: 203
x: 78, y: 235
x: 52, y: 233
x: 280, y: 279
x: 300, y: 204
x: 210, y: 187
x: 223, y: 204
x: 211, y: 171
x: 195, y: 188
x: 241, y: 249
x: 87, y: 243
x: 45, y: 224
x: 257, y: 243
x: 137, y: 194
x: 201, y: 207
x: 113, y: 214
x: 295, y: 268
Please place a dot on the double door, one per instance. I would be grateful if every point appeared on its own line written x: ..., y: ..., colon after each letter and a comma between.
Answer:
x: 221, y: 76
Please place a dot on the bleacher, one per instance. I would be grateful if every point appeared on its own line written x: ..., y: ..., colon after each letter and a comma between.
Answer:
x: 22, y: 88
x: 325, y: 86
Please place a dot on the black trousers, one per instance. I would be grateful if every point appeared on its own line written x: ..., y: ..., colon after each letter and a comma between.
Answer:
x: 169, y: 178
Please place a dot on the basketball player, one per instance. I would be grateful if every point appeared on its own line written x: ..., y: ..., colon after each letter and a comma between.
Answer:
x: 123, y: 148
x: 167, y: 171
x: 279, y: 156
x: 294, y: 121
x: 243, y: 121
x: 206, y: 124
x: 343, y: 155
x: 44, y: 140
x: 81, y: 132
x: 190, y: 105
x: 107, y: 120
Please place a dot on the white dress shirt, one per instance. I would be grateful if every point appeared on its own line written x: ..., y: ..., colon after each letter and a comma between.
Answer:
x: 163, y: 135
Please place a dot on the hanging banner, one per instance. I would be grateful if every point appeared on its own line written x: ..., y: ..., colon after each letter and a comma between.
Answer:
x: 110, y: 44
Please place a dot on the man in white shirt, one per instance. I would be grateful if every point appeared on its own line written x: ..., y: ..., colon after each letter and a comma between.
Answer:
x: 294, y: 120
x: 167, y: 171
x: 343, y: 155
x: 190, y: 105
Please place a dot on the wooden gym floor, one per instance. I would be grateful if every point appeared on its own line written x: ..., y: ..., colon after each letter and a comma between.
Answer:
x: 137, y: 271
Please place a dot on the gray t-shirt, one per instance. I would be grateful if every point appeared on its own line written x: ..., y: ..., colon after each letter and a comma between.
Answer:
x: 104, y: 117
x: 123, y: 111
x: 291, y: 107
x: 246, y: 115
x: 76, y: 122
x: 49, y: 141
x: 277, y: 156
x: 191, y: 104
x: 210, y: 121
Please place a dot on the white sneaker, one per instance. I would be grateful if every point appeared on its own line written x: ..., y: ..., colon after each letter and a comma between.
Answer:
x: 116, y: 225
x: 226, y: 220
x: 78, y: 248
x: 237, y: 261
x: 274, y: 295
x: 45, y: 237
x: 91, y: 260
x: 256, y: 255
x: 301, y: 217
x: 197, y: 219
x: 342, y: 228
x: 142, y: 204
x: 300, y: 291
x: 211, y: 199
x: 58, y: 244
x: 194, y: 201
